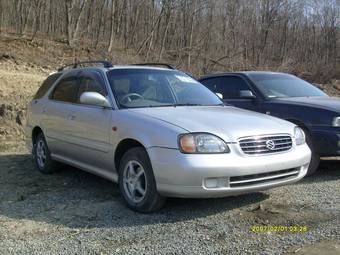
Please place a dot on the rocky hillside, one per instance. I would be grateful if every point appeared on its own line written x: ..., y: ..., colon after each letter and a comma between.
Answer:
x: 17, y: 86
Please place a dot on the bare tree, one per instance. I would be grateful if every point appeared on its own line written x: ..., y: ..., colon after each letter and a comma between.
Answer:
x: 197, y: 35
x: 112, y: 30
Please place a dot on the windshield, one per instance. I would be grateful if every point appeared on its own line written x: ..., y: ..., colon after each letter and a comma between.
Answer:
x: 136, y: 88
x: 284, y: 85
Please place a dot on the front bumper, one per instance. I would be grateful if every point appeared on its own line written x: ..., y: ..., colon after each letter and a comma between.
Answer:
x: 326, y: 140
x: 190, y: 175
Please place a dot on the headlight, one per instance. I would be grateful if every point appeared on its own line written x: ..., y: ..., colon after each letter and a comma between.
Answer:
x: 299, y: 136
x: 336, y: 122
x: 202, y: 143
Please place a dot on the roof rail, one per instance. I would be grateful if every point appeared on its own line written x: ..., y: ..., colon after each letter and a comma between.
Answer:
x: 76, y: 64
x: 155, y: 64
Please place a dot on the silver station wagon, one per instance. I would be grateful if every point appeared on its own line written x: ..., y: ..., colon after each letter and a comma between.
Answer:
x: 159, y: 133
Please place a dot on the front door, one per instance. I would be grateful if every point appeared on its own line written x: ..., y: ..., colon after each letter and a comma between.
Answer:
x: 231, y: 88
x: 91, y: 126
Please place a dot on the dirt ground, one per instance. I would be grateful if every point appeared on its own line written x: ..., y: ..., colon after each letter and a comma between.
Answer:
x: 73, y: 212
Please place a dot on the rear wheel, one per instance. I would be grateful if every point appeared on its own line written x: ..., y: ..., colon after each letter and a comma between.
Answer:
x: 137, y: 182
x: 315, y: 161
x: 42, y: 156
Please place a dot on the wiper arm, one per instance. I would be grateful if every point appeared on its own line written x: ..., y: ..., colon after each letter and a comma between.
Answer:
x: 161, y: 105
x: 179, y: 104
x: 187, y: 104
x: 191, y: 104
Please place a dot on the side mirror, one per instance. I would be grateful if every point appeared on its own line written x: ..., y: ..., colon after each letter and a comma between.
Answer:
x: 247, y: 94
x: 94, y: 98
x: 219, y: 95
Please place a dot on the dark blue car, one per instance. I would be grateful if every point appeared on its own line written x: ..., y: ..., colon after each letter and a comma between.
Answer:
x: 287, y: 97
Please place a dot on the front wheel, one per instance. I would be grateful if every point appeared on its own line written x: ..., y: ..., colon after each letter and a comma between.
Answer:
x: 137, y: 182
x: 42, y: 156
x: 315, y: 161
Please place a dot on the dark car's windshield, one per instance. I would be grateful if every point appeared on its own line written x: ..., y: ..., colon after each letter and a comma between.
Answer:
x: 135, y: 88
x: 284, y: 85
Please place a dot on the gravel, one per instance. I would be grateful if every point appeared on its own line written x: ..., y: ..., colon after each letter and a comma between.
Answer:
x: 73, y: 212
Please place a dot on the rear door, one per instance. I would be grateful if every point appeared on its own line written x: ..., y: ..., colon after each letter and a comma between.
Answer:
x: 59, y: 112
x: 91, y: 124
x: 230, y: 87
x: 36, y: 109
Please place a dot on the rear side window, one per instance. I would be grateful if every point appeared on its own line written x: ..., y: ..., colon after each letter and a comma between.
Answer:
x: 47, y: 84
x: 212, y: 84
x: 66, y: 90
x: 229, y: 86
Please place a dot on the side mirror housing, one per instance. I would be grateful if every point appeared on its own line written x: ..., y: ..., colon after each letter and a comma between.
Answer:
x: 247, y: 94
x: 219, y: 95
x: 94, y: 98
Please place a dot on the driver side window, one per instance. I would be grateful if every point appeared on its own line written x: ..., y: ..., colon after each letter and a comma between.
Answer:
x: 89, y: 84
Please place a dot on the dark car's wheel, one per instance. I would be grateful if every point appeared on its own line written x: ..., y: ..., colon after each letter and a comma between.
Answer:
x: 315, y: 161
x: 42, y: 156
x: 137, y: 182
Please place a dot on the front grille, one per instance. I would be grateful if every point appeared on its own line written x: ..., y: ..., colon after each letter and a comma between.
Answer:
x: 265, y: 144
x: 255, y: 179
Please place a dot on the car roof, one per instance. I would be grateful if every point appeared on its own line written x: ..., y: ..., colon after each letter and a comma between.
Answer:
x: 116, y: 67
x: 246, y: 73
x: 139, y: 67
x: 105, y: 69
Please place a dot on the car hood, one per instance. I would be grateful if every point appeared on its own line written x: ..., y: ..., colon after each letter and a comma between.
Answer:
x: 329, y: 103
x: 227, y: 122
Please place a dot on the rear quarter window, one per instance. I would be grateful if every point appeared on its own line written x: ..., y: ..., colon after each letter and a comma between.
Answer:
x: 46, y: 85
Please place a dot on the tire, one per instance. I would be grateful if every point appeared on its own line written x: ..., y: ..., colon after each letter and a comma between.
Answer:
x: 315, y: 161
x: 42, y: 156
x: 137, y: 182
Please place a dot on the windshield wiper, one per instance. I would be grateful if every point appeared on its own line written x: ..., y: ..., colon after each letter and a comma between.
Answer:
x: 192, y: 104
x: 186, y: 104
x: 172, y: 105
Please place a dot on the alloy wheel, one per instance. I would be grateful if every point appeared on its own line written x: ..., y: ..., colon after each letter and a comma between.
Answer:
x: 134, y: 181
x: 41, y: 153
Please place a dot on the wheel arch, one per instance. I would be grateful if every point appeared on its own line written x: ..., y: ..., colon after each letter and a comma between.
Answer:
x: 123, y: 146
x: 35, y: 131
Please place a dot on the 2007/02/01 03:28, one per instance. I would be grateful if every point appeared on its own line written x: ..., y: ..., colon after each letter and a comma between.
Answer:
x: 279, y: 228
